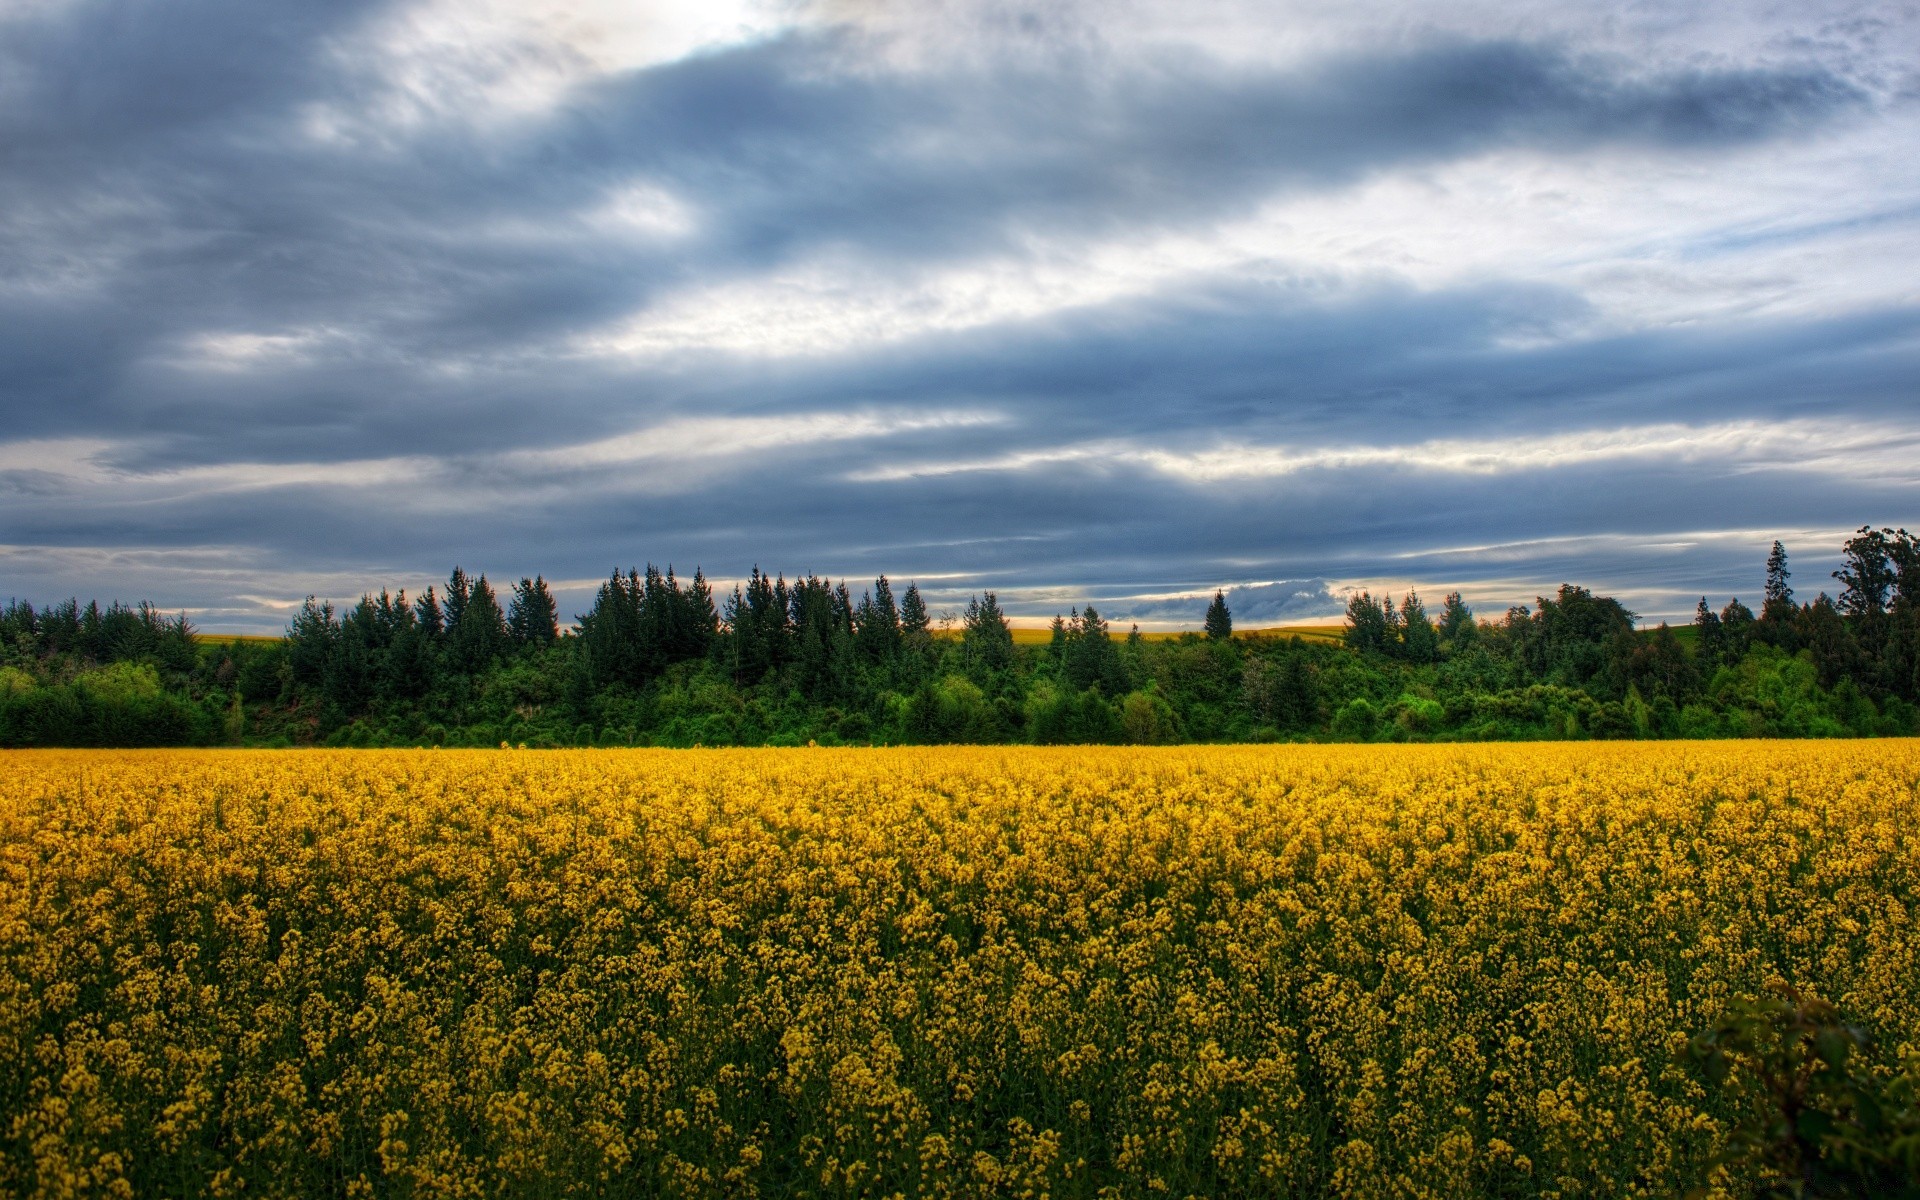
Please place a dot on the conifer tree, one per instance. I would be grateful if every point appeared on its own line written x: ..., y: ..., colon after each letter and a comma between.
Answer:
x: 455, y: 603
x: 986, y: 641
x: 1366, y: 623
x: 1219, y: 620
x: 481, y: 632
x: 1779, y: 616
x: 1711, y: 643
x: 427, y: 614
x: 1777, y: 575
x: 532, y: 616
x: 1419, y: 642
x: 1736, y: 630
x: 877, y: 623
x: 310, y: 642
x: 760, y: 620
x: 1088, y: 657
x: 915, y: 630
x: 702, y: 620
x: 1457, y: 626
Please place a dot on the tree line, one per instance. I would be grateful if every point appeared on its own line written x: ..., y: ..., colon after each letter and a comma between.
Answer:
x: 658, y: 660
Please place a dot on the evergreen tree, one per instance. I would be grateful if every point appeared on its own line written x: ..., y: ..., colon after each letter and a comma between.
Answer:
x: 1219, y: 623
x: 427, y: 614
x: 915, y: 629
x: 1835, y: 652
x: 700, y: 620
x: 533, y: 619
x: 1366, y: 623
x: 657, y: 622
x: 455, y: 604
x: 1778, y: 593
x: 1457, y: 626
x: 406, y: 670
x: 1736, y: 630
x: 758, y: 622
x: 481, y: 632
x: 1092, y: 660
x: 1711, y: 643
x: 607, y: 649
x: 986, y: 641
x: 310, y: 642
x: 348, y: 683
x: 819, y: 617
x: 1779, y: 617
x: 1419, y: 642
x: 877, y: 624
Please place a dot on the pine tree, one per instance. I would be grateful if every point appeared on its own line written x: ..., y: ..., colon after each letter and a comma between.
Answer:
x: 916, y: 639
x: 1712, y: 643
x: 986, y: 641
x: 1419, y: 641
x: 1092, y: 658
x: 1736, y: 630
x: 1835, y: 651
x: 760, y: 620
x: 915, y: 629
x: 1457, y: 626
x: 1219, y: 620
x: 427, y: 614
x: 1777, y: 575
x: 310, y: 640
x: 455, y: 604
x: 481, y: 632
x: 1366, y: 623
x: 532, y: 617
x: 877, y: 623
x: 702, y: 621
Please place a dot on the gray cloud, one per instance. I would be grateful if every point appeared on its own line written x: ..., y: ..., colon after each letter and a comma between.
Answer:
x: 271, y: 352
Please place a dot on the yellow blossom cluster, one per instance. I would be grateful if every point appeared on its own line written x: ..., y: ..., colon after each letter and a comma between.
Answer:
x: 1298, y: 971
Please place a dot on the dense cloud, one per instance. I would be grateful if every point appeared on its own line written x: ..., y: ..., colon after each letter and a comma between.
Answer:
x: 307, y: 298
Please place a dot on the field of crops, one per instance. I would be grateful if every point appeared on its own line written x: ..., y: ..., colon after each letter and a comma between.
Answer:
x: 1297, y: 971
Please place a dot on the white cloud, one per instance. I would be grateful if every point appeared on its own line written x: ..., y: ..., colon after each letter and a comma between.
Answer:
x: 1851, y: 448
x: 726, y: 437
x: 669, y: 454
x: 1646, y: 240
x: 478, y: 61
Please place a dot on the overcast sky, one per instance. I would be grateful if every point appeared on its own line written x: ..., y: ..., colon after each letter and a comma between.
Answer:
x: 1104, y: 301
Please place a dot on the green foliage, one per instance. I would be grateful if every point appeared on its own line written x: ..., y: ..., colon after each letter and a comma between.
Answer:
x: 1822, y: 1122
x: 1219, y: 621
x: 953, y: 710
x: 653, y: 662
x: 1148, y: 720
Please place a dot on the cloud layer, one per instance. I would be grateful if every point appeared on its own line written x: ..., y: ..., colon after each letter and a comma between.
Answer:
x: 1120, y: 303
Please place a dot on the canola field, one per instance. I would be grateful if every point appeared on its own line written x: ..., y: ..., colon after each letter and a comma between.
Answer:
x: 1294, y: 971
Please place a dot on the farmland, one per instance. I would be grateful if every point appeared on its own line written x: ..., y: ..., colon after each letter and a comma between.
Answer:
x: 1344, y: 971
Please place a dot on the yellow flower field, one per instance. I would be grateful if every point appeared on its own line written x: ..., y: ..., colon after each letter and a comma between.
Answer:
x: 1296, y: 971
